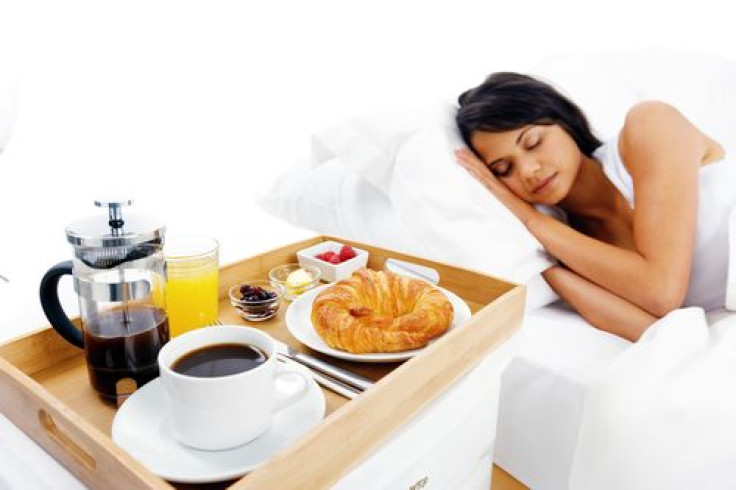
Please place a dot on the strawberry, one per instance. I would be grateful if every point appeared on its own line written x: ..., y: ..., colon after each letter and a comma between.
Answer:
x: 347, y: 252
x: 334, y: 259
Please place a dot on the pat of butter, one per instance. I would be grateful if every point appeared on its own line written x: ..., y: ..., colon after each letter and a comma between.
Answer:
x: 298, y: 278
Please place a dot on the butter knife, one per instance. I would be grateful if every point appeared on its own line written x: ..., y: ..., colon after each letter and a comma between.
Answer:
x: 411, y: 269
x: 354, y: 380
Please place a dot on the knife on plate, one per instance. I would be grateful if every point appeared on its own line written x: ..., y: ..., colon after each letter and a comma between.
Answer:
x: 353, y: 380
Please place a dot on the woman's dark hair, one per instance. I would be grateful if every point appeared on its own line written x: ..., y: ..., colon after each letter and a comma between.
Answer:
x: 507, y: 101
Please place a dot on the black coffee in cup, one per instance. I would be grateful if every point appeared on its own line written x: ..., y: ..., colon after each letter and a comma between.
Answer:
x: 219, y: 360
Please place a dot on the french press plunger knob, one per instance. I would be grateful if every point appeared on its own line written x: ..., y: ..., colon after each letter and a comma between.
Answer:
x: 114, y: 207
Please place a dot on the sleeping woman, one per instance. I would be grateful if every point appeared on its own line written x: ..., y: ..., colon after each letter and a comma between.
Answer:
x: 647, y: 212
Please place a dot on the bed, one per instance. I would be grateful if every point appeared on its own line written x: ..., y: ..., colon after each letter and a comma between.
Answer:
x: 389, y: 178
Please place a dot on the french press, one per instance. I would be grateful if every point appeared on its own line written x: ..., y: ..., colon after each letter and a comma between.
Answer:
x: 119, y: 276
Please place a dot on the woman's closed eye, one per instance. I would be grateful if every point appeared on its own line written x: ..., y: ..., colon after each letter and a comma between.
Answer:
x: 501, y: 168
x: 533, y: 144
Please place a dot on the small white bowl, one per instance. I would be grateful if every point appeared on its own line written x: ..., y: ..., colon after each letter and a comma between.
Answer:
x: 332, y: 272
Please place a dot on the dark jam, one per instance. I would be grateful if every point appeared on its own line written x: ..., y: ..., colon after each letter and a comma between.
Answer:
x: 122, y: 347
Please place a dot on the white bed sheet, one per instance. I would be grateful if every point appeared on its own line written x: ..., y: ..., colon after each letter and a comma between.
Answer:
x: 544, y: 391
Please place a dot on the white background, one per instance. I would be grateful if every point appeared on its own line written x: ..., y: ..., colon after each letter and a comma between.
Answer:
x: 190, y: 107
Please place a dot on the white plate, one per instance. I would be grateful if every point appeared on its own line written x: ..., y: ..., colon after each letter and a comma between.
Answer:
x: 141, y: 429
x: 299, y: 323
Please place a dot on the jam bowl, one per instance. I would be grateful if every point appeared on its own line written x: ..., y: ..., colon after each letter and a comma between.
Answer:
x: 255, y: 301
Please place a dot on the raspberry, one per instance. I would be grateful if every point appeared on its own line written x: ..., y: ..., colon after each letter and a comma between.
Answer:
x: 347, y: 252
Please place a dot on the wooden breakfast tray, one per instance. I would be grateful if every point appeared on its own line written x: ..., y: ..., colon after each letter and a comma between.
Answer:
x: 46, y: 392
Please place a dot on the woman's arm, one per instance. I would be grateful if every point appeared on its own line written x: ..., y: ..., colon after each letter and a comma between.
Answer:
x: 664, y: 153
x: 601, y: 308
x: 654, y: 285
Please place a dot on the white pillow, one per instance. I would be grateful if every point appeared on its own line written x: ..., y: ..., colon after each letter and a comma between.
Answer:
x: 453, y: 215
x: 332, y: 199
x: 368, y: 144
x: 401, y: 187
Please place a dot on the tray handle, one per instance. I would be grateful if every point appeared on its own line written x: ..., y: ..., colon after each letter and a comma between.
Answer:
x: 88, y: 453
x: 55, y: 433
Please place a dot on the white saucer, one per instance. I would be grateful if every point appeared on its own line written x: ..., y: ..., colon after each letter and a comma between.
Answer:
x: 141, y: 429
x: 299, y: 323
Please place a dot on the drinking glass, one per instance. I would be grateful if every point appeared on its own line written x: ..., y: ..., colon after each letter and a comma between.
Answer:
x: 192, y: 282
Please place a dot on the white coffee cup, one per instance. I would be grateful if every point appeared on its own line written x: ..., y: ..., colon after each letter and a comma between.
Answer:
x: 226, y: 411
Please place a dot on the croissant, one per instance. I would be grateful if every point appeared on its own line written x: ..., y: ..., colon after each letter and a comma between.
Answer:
x: 380, y: 312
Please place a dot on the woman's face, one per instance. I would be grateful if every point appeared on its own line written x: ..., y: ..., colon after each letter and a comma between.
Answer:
x: 538, y: 163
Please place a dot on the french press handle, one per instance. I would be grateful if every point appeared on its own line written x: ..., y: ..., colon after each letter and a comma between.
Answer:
x: 52, y: 306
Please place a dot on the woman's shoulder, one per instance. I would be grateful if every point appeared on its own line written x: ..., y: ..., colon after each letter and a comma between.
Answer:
x: 650, y: 118
x: 641, y: 111
x: 652, y: 128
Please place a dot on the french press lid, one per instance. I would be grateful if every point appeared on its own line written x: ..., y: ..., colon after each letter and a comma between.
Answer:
x: 105, y: 243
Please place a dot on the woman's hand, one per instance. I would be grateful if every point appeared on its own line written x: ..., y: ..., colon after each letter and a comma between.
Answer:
x: 475, y: 167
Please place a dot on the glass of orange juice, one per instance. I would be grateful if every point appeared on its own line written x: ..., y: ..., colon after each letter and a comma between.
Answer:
x: 191, y: 282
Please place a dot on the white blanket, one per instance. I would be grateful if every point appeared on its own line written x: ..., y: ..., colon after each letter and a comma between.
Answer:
x: 663, y: 415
